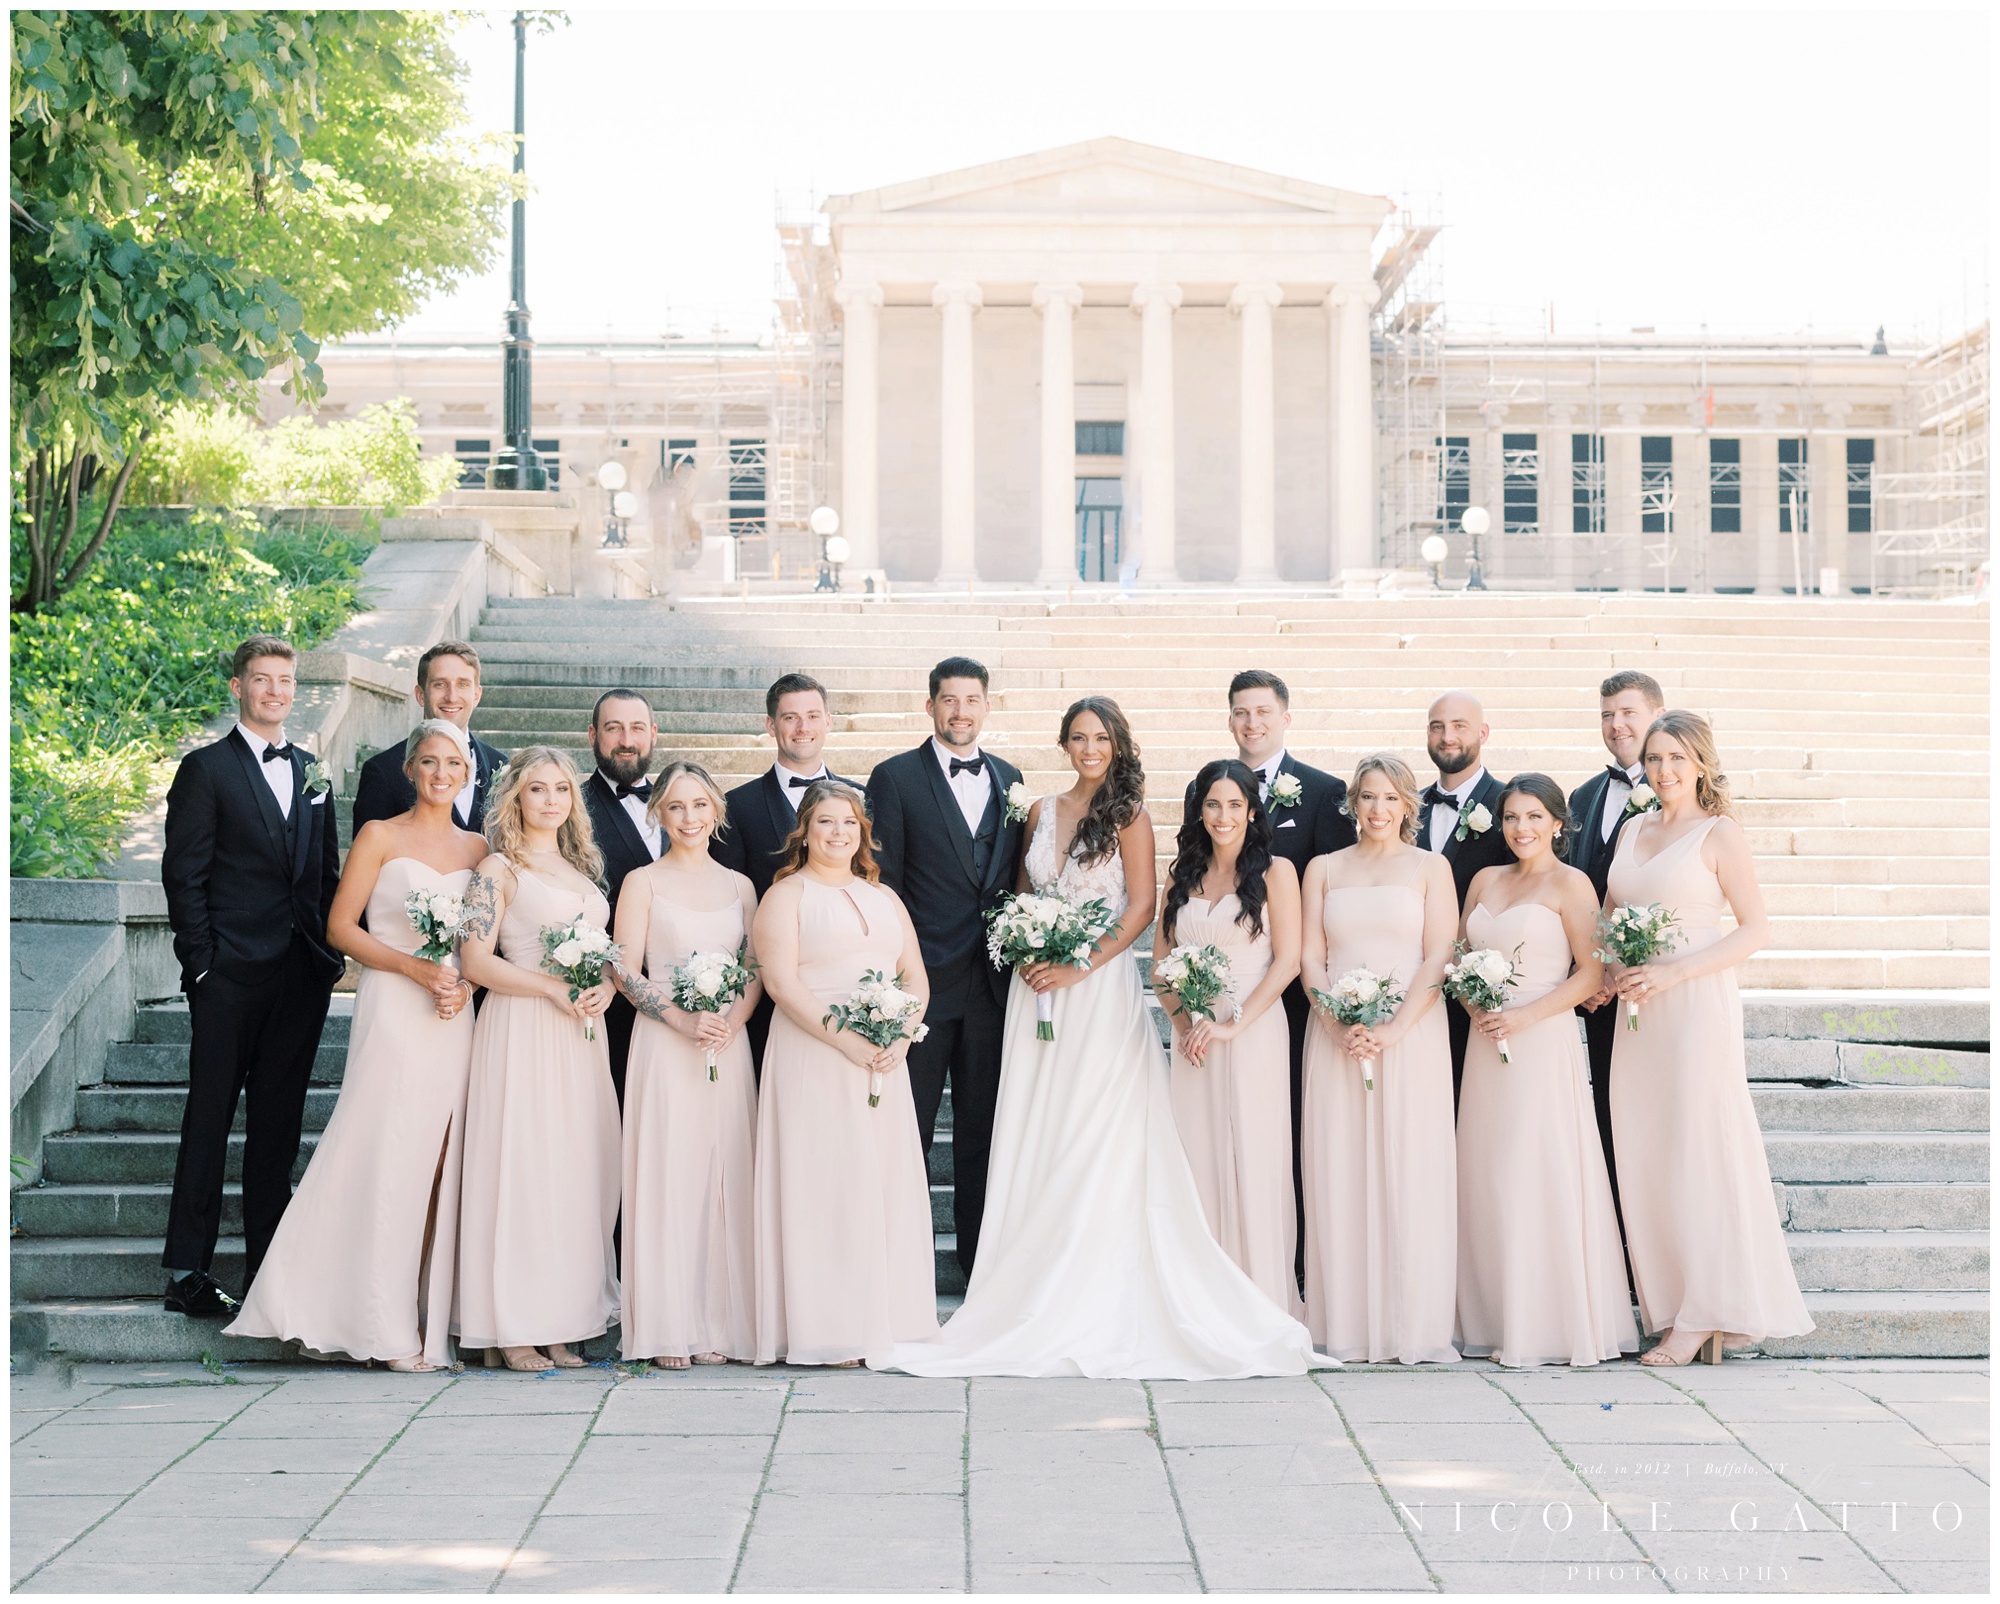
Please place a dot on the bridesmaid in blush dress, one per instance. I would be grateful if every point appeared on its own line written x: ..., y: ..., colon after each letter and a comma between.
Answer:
x: 1708, y: 1253
x: 363, y: 1259
x: 1541, y: 1275
x: 1231, y: 1077
x: 845, y: 1263
x: 689, y: 1271
x: 1381, y: 1201
x: 540, y: 1199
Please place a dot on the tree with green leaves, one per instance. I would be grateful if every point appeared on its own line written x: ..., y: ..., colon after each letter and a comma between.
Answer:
x: 200, y: 198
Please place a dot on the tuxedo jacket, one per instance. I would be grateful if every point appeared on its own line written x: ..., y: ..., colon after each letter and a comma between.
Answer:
x: 242, y: 879
x: 947, y: 875
x: 618, y: 838
x: 760, y: 820
x: 385, y: 791
x: 1475, y: 852
x: 1588, y: 850
x: 1312, y: 826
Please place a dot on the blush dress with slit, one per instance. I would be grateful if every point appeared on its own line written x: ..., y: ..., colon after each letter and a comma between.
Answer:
x: 1541, y: 1275
x: 350, y: 1269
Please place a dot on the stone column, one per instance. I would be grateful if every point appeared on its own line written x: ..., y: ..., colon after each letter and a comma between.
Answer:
x: 1489, y: 480
x: 1257, y: 437
x: 1058, y: 303
x: 1350, y: 385
x: 1827, y: 463
x: 1557, y: 507
x: 1760, y: 502
x: 1156, y: 304
x: 957, y: 507
x: 860, y: 423
x: 1627, y: 564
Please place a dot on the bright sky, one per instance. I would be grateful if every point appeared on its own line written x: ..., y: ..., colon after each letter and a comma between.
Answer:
x: 1759, y: 170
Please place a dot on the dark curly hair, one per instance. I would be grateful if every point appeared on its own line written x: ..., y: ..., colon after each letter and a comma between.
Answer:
x: 1545, y: 791
x: 1123, y: 793
x: 1194, y: 852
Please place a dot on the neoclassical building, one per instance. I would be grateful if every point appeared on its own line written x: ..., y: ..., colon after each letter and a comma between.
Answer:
x: 1111, y: 361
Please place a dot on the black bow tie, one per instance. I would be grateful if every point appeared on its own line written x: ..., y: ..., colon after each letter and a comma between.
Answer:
x: 798, y: 784
x: 1617, y: 773
x: 1434, y: 794
x: 278, y: 754
x: 968, y: 765
x: 642, y: 789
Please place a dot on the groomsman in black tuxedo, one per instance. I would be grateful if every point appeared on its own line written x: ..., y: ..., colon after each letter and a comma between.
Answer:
x: 1628, y: 702
x: 447, y: 688
x: 948, y: 849
x: 617, y: 795
x: 1461, y: 819
x: 763, y: 811
x: 251, y: 863
x: 1306, y: 807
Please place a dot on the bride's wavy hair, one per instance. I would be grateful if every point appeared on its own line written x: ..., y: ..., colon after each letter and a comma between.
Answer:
x: 1123, y: 793
x: 1697, y: 738
x: 1194, y: 852
x: 507, y: 833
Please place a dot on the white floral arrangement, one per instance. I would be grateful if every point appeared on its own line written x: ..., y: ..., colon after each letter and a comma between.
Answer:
x: 1642, y: 800
x: 1199, y: 978
x: 1480, y: 978
x: 317, y: 781
x: 1636, y: 934
x: 712, y: 983
x: 577, y: 952
x: 1285, y: 791
x: 1475, y: 818
x: 439, y: 918
x: 879, y: 1011
x: 1029, y: 928
x: 1019, y: 800
x: 1361, y: 997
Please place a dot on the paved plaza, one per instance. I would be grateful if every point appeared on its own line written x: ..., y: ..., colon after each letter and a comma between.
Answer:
x: 1825, y: 1476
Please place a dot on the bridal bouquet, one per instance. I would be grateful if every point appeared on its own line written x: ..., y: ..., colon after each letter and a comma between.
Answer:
x: 1635, y: 935
x: 577, y: 952
x: 1197, y: 976
x: 878, y: 1011
x: 439, y: 918
x: 1361, y: 997
x: 1480, y: 979
x: 710, y: 982
x: 1029, y: 928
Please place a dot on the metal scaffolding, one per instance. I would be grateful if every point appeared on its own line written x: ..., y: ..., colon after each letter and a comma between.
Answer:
x: 1933, y: 522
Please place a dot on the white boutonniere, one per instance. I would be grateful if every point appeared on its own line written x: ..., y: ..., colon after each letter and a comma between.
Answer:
x: 317, y: 779
x: 1475, y: 818
x: 1019, y: 800
x: 1641, y: 800
x: 1285, y: 791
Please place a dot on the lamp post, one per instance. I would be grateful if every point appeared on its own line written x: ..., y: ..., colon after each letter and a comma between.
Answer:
x: 518, y: 467
x: 833, y: 547
x: 620, y: 503
x: 1435, y: 550
x: 1475, y: 521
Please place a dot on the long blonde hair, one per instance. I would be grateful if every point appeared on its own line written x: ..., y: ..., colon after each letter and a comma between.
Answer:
x: 1711, y: 785
x: 1398, y: 774
x: 508, y: 836
x: 655, y: 808
x: 795, y: 849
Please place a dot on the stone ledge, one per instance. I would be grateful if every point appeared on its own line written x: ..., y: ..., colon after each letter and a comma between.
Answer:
x: 55, y: 969
x: 87, y: 902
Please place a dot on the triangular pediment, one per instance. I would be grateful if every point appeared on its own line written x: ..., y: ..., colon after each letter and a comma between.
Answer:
x: 1102, y: 178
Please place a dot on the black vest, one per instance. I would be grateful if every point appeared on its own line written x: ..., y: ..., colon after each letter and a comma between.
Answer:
x: 986, y: 836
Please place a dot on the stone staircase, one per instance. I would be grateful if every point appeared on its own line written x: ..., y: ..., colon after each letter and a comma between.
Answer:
x: 1854, y: 735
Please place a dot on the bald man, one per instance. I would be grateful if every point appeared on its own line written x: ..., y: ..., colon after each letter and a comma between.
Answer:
x: 1461, y: 819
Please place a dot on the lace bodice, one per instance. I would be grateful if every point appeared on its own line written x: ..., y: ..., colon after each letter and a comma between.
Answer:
x: 1049, y: 872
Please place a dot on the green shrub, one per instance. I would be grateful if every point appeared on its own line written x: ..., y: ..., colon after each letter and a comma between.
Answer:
x: 108, y: 680
x: 201, y: 457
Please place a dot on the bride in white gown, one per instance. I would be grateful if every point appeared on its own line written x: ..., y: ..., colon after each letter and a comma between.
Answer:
x: 1094, y: 1256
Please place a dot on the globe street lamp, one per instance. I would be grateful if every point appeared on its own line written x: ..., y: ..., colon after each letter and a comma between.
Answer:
x: 518, y: 467
x: 1435, y: 551
x: 833, y: 547
x: 1475, y: 521
x: 620, y: 504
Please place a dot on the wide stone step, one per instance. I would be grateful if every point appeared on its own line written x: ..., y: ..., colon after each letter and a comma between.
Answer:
x: 950, y: 1278
x: 1885, y: 1206
x: 1772, y: 1058
x: 85, y: 1209
x: 143, y: 1063
x: 1872, y: 1156
x: 168, y: 1022
x: 158, y: 1108
x: 106, y: 1267
x: 1890, y: 1261
x: 120, y: 1157
x: 1908, y: 1325
x: 1861, y: 971
x: 1857, y: 1108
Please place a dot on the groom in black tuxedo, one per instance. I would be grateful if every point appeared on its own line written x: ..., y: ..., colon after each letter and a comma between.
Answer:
x: 762, y: 812
x: 1460, y: 817
x: 251, y: 863
x: 447, y: 688
x: 616, y: 796
x: 1628, y: 702
x: 1302, y: 828
x: 948, y: 849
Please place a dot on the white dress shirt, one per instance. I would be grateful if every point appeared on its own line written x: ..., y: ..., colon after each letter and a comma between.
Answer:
x: 792, y: 793
x: 635, y: 810
x: 1266, y: 772
x: 462, y: 803
x: 972, y: 791
x: 1444, y: 819
x: 278, y: 776
x: 1616, y: 794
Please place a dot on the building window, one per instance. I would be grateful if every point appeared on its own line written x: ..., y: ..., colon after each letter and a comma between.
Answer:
x: 550, y: 451
x: 675, y: 452
x: 1586, y: 481
x: 1521, y: 488
x: 1656, y: 483
x: 1725, y: 487
x: 474, y: 458
x: 1100, y: 518
x: 1861, y: 487
x: 1100, y: 439
x: 1454, y: 478
x: 746, y: 487
x: 1794, y: 494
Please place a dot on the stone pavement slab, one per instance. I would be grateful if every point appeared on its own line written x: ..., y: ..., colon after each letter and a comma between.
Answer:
x: 1758, y: 1476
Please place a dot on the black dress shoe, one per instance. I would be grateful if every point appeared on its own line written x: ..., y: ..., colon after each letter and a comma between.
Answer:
x: 198, y: 1293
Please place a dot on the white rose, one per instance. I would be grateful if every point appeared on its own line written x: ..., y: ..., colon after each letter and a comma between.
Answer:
x: 708, y: 983
x: 569, y: 954
x: 1480, y: 818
